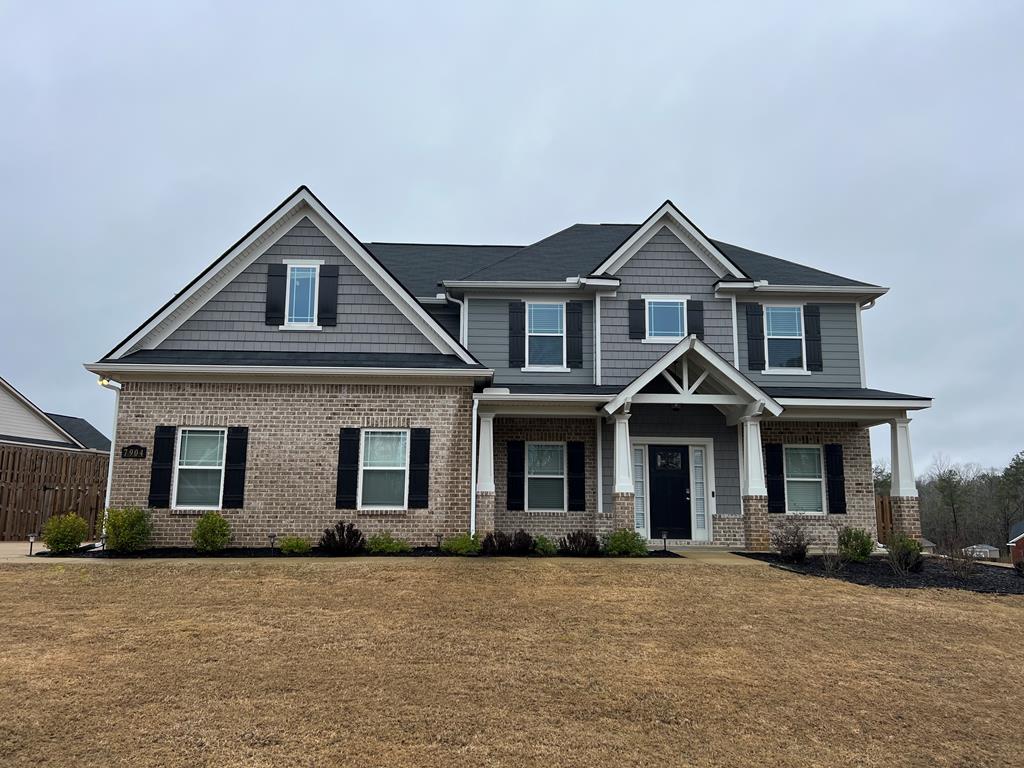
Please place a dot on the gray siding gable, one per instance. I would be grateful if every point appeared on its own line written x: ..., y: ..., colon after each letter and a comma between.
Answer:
x: 233, y: 318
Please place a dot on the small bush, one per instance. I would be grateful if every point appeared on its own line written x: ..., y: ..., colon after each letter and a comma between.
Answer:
x: 904, y: 555
x: 855, y: 544
x: 461, y: 544
x: 343, y: 539
x: 212, y: 533
x: 386, y: 544
x: 791, y: 542
x: 295, y: 545
x: 496, y: 543
x: 961, y: 563
x: 63, y: 534
x: 625, y: 543
x: 128, y: 529
x: 544, y: 546
x: 1018, y: 566
x: 832, y: 563
x: 522, y: 543
x: 579, y: 544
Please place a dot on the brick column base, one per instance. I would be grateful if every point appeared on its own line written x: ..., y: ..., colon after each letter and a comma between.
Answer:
x: 622, y: 511
x: 484, y: 512
x: 906, y: 516
x: 755, y: 523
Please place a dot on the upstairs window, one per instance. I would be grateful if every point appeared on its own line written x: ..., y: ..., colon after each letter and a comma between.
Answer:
x: 784, y: 337
x: 805, y: 481
x: 545, y: 476
x: 301, y: 295
x: 666, y: 318
x: 545, y: 336
x: 199, y: 469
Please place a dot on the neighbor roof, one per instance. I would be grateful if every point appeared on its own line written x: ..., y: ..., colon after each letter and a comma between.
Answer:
x: 82, y: 431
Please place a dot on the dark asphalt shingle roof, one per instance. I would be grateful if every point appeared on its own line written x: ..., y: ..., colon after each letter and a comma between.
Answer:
x: 37, y: 441
x: 82, y: 431
x: 1016, y: 529
x: 840, y: 393
x: 319, y: 359
x: 421, y: 267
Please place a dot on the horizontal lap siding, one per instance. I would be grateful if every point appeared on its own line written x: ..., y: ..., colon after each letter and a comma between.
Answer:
x: 234, y: 317
x: 663, y: 266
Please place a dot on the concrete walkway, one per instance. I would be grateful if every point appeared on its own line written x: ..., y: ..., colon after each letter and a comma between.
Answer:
x: 711, y: 556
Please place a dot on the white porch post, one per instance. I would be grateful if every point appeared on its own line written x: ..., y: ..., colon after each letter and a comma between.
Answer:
x: 752, y: 472
x: 623, y: 464
x: 485, y: 463
x: 902, y: 462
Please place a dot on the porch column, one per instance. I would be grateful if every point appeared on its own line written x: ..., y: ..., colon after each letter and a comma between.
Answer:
x: 902, y: 462
x: 623, y: 463
x: 485, y: 460
x: 752, y: 471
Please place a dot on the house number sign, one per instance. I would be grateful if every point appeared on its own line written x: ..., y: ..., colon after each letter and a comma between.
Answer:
x: 133, y: 452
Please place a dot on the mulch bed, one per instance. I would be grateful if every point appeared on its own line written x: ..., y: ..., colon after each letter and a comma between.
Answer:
x: 988, y: 579
x: 255, y: 552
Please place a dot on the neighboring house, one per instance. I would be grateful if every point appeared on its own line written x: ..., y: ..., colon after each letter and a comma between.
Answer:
x: 49, y: 464
x: 607, y: 376
x: 1016, y: 542
x: 982, y: 551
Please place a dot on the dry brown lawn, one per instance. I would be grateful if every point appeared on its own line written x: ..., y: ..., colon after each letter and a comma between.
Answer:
x: 480, y: 662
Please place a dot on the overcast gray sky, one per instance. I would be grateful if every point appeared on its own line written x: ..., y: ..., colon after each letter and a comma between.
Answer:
x: 878, y: 140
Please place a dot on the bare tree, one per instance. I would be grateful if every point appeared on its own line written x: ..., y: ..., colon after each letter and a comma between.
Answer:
x: 953, y: 483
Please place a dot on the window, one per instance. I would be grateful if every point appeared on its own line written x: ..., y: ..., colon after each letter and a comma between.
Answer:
x: 805, y: 481
x: 639, y: 488
x: 784, y: 337
x: 383, y: 469
x: 545, y: 476
x: 545, y: 332
x: 666, y: 318
x: 301, y: 296
x: 199, y: 469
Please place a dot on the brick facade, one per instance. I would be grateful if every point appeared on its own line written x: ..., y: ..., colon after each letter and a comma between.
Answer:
x: 756, y: 524
x: 292, y: 463
x: 906, y: 516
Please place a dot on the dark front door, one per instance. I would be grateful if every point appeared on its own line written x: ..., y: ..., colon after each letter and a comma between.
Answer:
x: 669, y: 470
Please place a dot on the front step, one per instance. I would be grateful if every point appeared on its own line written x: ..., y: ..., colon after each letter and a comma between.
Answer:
x: 680, y: 543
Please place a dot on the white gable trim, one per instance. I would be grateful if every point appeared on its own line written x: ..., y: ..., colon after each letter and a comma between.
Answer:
x: 671, y: 217
x: 35, y: 411
x: 302, y: 203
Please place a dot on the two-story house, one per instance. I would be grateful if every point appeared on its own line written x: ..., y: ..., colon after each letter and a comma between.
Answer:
x: 607, y: 376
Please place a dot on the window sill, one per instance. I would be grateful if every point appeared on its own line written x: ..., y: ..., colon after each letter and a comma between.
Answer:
x: 806, y: 514
x: 545, y: 511
x: 192, y: 511
x: 382, y: 511
x: 545, y: 369
x: 299, y: 328
x: 786, y: 372
x: 662, y: 340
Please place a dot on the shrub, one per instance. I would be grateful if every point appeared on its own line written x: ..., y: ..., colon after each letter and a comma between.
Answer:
x: 461, y: 544
x: 544, y: 546
x: 579, y: 544
x: 904, y: 555
x: 855, y: 544
x: 496, y: 543
x: 625, y: 543
x: 832, y: 563
x: 128, y: 529
x: 522, y: 543
x: 1018, y: 566
x: 212, y: 533
x: 343, y: 539
x: 791, y: 542
x: 961, y: 563
x: 63, y: 534
x: 386, y: 544
x: 295, y: 545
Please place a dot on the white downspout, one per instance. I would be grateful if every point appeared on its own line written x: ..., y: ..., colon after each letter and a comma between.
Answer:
x: 106, y: 383
x: 463, y: 320
x: 472, y: 475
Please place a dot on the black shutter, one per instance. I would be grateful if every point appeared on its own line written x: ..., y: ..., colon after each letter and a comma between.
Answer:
x: 835, y: 479
x: 234, y: 467
x: 515, y: 475
x: 695, y: 318
x: 574, y: 334
x: 277, y: 276
x: 516, y: 334
x: 576, y: 475
x: 348, y: 468
x: 755, y: 337
x: 327, y: 300
x: 419, y: 468
x: 812, y: 336
x: 637, y: 321
x: 162, y: 467
x: 775, y: 478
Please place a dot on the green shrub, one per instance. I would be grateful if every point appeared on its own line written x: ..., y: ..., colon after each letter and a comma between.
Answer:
x: 128, y: 529
x: 295, y: 545
x: 579, y: 544
x: 855, y: 544
x: 904, y: 555
x: 63, y: 534
x: 791, y: 542
x: 212, y: 533
x: 343, y: 539
x: 625, y: 543
x: 386, y: 544
x: 544, y: 546
x: 461, y: 544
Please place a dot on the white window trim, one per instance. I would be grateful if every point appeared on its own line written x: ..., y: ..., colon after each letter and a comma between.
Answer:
x: 786, y: 480
x: 177, y: 467
x: 314, y: 326
x: 648, y: 298
x: 802, y: 370
x: 362, y: 456
x: 527, y: 475
x: 563, y: 368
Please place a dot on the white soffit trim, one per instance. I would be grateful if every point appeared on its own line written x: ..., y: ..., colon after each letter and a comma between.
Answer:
x: 38, y: 413
x: 831, y: 402
x: 303, y: 203
x: 670, y: 216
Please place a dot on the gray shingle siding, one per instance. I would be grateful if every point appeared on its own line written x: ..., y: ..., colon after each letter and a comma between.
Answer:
x: 234, y: 317
x: 488, y: 342
x: 663, y: 266
x: 840, y: 352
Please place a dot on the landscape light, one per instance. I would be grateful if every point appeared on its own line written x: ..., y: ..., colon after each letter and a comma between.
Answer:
x: 273, y: 537
x: 31, y: 541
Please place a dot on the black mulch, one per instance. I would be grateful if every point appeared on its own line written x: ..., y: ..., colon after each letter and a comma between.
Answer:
x: 876, y: 572
x: 663, y: 553
x: 180, y: 552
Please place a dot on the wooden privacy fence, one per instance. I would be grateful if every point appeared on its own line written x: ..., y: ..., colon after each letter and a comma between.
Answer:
x: 36, y: 483
x: 883, y: 517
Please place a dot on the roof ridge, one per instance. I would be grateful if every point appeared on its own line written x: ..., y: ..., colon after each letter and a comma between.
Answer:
x: 519, y: 250
x: 443, y: 245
